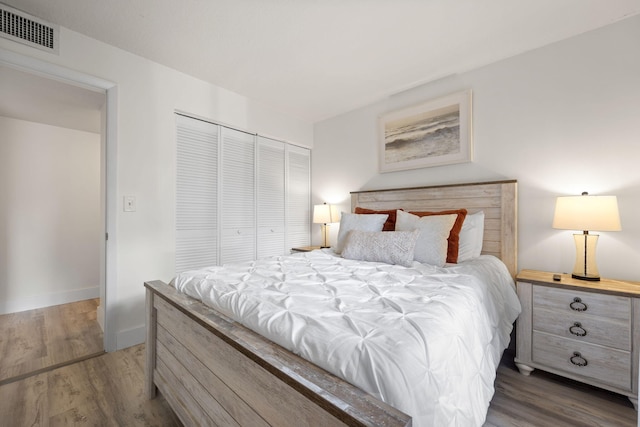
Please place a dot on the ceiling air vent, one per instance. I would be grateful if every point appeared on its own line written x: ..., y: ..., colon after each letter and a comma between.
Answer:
x: 23, y: 28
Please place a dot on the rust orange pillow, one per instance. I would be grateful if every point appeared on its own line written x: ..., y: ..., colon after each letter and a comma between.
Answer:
x: 454, y: 234
x: 389, y: 225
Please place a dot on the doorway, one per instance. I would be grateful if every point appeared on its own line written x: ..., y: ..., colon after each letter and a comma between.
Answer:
x: 88, y: 102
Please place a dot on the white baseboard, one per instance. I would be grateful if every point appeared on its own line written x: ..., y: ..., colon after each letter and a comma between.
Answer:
x: 131, y: 337
x: 100, y: 316
x: 48, y: 300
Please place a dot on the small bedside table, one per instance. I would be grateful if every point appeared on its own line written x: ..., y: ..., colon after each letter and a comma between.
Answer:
x: 586, y: 331
x: 305, y: 249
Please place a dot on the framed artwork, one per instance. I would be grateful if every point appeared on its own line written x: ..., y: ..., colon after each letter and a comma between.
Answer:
x: 434, y: 133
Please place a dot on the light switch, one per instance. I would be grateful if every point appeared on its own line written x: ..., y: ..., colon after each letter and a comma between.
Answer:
x: 129, y: 203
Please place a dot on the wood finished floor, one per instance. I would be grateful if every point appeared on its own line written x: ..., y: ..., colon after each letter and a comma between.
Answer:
x: 36, y: 340
x: 102, y: 391
x: 544, y: 399
x: 107, y: 391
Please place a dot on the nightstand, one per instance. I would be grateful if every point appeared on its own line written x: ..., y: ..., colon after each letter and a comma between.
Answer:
x: 305, y: 249
x: 586, y: 331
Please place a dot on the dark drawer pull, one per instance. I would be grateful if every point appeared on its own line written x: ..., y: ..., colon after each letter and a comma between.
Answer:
x: 578, y: 305
x: 578, y: 330
x: 578, y: 360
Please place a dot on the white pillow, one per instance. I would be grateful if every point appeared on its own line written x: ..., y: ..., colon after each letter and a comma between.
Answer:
x: 471, y: 235
x: 362, y: 222
x: 391, y: 247
x: 431, y: 247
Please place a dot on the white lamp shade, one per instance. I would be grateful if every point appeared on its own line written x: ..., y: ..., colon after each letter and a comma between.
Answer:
x: 597, y: 213
x: 325, y: 214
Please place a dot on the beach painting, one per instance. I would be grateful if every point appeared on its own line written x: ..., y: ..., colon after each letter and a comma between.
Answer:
x: 433, y: 133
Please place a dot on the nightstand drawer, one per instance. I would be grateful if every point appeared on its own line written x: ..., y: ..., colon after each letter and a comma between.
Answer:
x: 607, y: 365
x: 579, y: 303
x: 583, y: 327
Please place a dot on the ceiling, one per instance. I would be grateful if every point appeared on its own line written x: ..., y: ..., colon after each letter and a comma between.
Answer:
x: 316, y: 59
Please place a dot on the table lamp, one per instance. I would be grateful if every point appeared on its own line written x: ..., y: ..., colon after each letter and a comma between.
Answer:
x: 325, y: 214
x: 596, y: 213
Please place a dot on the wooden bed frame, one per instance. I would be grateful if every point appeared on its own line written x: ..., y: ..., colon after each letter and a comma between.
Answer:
x: 497, y: 199
x: 214, y: 371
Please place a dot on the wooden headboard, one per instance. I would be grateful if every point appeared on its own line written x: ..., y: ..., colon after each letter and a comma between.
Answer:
x: 498, y: 200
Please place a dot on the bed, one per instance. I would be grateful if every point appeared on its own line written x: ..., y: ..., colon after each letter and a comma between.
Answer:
x: 214, y: 371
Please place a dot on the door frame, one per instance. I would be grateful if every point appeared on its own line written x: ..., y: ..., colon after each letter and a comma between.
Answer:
x: 108, y: 173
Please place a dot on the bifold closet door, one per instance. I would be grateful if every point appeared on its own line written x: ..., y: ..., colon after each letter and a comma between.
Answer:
x: 298, y: 197
x: 196, y: 194
x: 238, y: 198
x: 271, y: 184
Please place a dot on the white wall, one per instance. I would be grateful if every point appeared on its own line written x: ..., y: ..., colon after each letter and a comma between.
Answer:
x: 49, y: 215
x: 560, y: 119
x: 147, y: 96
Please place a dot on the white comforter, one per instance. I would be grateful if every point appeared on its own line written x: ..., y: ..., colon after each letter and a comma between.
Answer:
x: 426, y: 340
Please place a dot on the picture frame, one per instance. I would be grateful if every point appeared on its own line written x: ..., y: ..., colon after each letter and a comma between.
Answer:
x: 434, y: 133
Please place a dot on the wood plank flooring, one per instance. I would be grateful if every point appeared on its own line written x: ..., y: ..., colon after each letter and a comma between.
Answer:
x: 108, y: 391
x: 103, y: 391
x: 36, y: 340
x: 544, y: 399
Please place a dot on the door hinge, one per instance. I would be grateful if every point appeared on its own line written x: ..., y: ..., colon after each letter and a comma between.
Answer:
x: 106, y: 236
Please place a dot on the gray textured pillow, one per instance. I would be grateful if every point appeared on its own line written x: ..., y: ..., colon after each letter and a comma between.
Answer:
x: 391, y: 247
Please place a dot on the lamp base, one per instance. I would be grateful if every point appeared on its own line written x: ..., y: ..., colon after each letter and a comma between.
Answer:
x: 589, y: 278
x: 325, y: 240
x: 585, y: 267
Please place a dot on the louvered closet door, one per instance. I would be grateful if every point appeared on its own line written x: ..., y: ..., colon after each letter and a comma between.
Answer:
x: 271, y: 197
x: 238, y: 201
x: 196, y: 194
x: 299, y: 196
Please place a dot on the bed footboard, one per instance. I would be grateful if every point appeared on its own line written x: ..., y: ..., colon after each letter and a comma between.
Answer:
x: 214, y: 371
